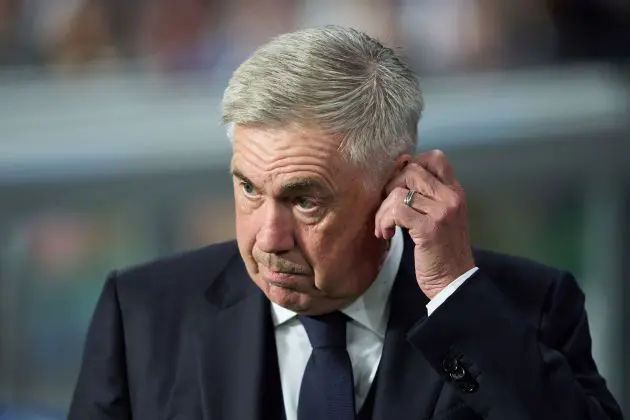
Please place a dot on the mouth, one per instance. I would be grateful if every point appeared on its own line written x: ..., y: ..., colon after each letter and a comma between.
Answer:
x: 286, y: 271
x: 282, y: 276
x: 290, y: 281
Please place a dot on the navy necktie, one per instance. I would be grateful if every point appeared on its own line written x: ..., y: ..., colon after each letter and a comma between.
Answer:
x: 327, y: 390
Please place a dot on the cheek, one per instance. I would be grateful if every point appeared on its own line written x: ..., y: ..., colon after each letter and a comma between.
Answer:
x: 245, y: 230
x: 245, y: 239
x: 326, y: 245
x: 335, y: 245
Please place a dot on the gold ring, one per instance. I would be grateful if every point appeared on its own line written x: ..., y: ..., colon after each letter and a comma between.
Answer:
x: 409, y: 198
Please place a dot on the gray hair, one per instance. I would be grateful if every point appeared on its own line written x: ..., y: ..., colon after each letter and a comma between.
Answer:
x: 337, y: 79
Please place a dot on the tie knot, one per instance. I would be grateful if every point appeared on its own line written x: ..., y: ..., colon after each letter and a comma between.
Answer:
x: 328, y: 330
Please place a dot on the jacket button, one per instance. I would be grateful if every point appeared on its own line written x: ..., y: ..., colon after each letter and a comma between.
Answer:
x: 458, y: 374
x: 450, y: 365
x: 467, y: 387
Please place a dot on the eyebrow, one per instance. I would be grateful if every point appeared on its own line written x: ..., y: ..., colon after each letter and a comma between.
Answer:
x: 235, y: 172
x: 293, y: 187
x: 302, y: 186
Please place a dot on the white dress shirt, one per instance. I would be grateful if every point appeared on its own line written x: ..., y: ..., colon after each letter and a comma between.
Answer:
x: 365, y: 332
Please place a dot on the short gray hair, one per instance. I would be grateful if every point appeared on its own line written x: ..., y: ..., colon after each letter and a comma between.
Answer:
x: 334, y: 78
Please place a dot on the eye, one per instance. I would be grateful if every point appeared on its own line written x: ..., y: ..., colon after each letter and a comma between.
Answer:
x: 248, y: 188
x: 305, y: 203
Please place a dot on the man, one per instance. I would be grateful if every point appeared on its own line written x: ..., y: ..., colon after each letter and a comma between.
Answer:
x: 352, y: 290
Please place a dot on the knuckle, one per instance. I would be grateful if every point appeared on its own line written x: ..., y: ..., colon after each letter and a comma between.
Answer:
x: 443, y: 214
x: 431, y: 189
x: 438, y: 153
x: 454, y: 198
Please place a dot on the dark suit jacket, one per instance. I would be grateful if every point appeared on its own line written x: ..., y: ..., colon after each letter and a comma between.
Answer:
x: 190, y: 337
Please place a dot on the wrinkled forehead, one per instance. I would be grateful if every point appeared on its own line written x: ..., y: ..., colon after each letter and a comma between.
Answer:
x: 290, y: 134
x: 265, y: 155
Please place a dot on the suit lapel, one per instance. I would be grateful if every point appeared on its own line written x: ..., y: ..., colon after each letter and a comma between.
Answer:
x: 236, y: 352
x: 406, y: 385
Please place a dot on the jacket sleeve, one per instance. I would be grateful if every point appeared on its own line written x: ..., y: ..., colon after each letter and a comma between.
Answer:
x: 505, y: 368
x: 101, y: 390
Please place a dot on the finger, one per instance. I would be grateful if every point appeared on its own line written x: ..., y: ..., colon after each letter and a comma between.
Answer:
x: 393, y: 212
x: 380, y: 230
x: 403, y: 216
x: 438, y: 164
x: 417, y: 178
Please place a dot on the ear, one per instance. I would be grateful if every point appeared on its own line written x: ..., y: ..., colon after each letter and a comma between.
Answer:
x: 399, y: 164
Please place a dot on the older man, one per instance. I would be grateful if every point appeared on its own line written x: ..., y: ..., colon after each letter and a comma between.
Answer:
x: 352, y: 290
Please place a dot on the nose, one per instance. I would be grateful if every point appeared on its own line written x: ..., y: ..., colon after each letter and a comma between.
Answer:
x: 276, y: 233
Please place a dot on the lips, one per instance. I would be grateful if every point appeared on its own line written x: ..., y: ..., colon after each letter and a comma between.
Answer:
x: 281, y: 275
x: 285, y: 269
x: 286, y: 280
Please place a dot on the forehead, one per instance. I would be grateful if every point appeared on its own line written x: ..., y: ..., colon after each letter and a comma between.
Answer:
x: 279, y: 155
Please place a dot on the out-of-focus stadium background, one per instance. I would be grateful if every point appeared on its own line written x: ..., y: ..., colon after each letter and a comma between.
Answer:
x: 111, y: 149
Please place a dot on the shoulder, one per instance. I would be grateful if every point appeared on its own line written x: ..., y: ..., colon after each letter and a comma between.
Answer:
x: 533, y: 286
x: 212, y: 257
x: 525, y: 270
x: 167, y: 278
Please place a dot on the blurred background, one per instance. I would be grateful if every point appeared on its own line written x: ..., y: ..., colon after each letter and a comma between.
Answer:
x: 112, y: 152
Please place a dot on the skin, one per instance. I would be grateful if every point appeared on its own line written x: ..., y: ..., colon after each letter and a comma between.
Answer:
x: 310, y: 232
x: 437, y: 219
x: 304, y: 219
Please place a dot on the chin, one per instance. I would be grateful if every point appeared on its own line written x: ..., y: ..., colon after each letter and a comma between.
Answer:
x: 304, y: 303
x: 290, y: 299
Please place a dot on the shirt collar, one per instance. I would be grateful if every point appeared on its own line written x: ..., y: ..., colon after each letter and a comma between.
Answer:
x: 371, y: 309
